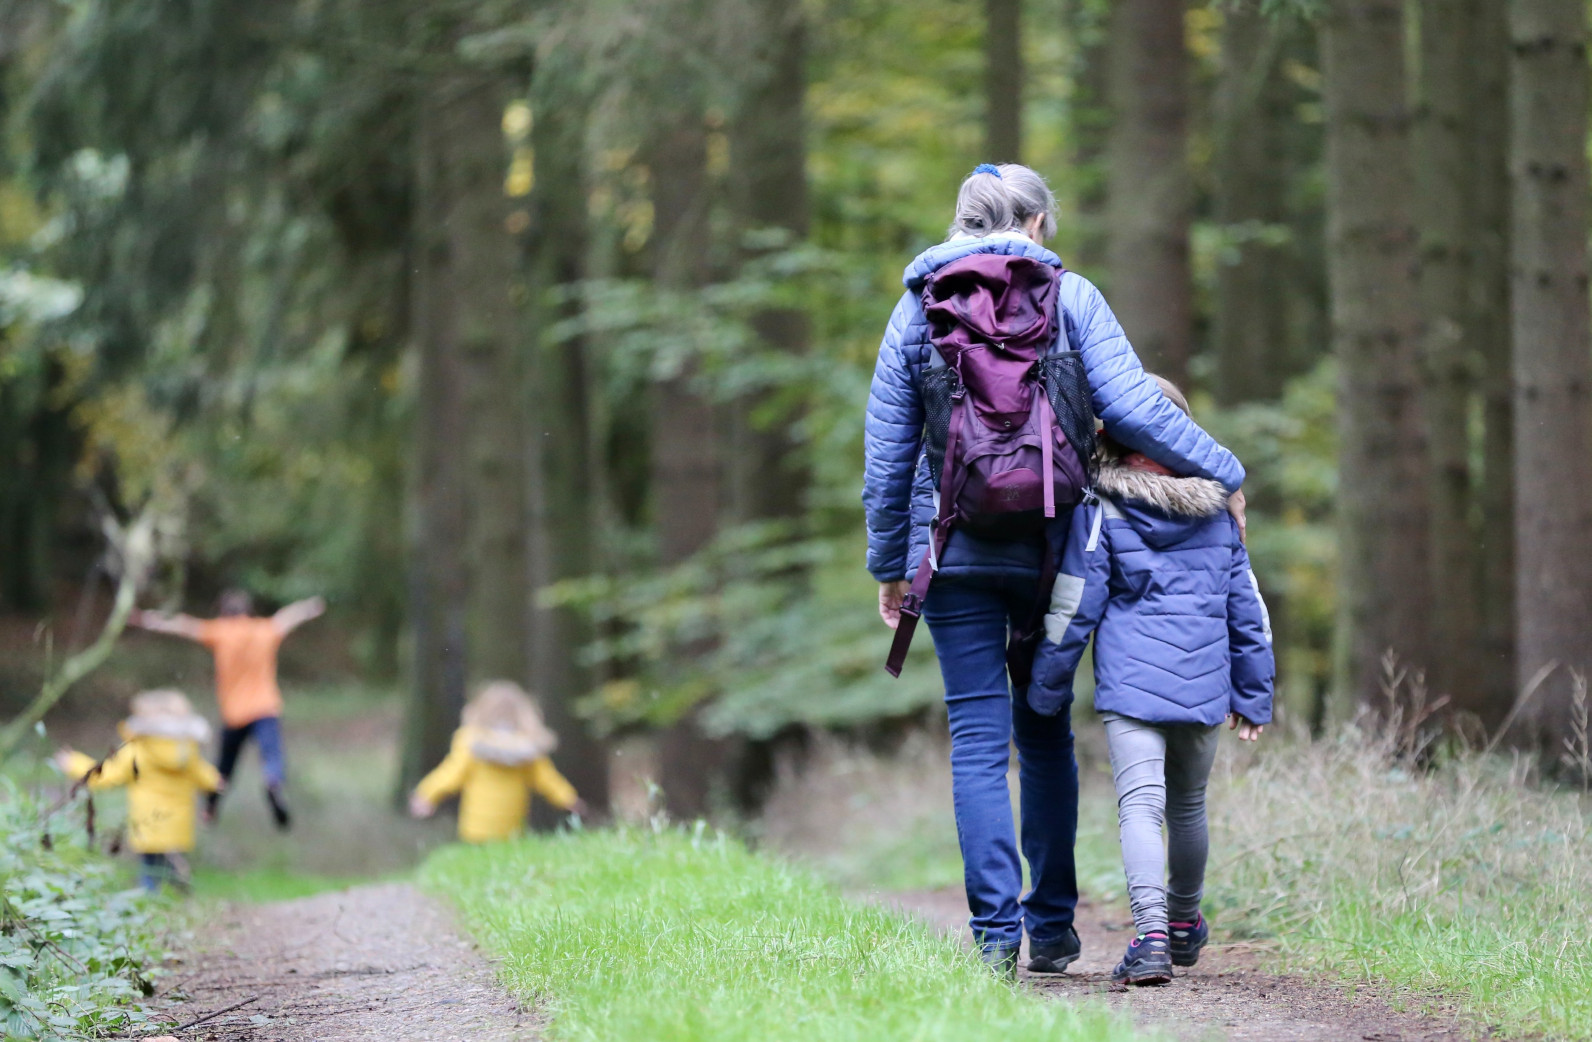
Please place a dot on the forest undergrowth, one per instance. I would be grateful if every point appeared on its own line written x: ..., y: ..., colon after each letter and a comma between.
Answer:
x: 78, y: 947
x: 1458, y: 877
x: 1464, y: 879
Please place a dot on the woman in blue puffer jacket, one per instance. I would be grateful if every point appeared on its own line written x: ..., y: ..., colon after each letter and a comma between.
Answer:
x: 983, y: 588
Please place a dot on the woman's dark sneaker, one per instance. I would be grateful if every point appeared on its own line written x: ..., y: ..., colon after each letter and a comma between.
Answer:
x: 1054, y: 957
x: 1001, y: 961
x: 1187, y: 939
x: 1148, y: 961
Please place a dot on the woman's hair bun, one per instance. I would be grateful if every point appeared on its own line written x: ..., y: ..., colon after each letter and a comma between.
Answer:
x: 995, y: 199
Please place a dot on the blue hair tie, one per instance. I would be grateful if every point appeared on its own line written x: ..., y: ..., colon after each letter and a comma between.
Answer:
x: 987, y: 168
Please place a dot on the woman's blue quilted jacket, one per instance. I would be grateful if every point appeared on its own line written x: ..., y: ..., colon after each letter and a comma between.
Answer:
x: 897, y: 494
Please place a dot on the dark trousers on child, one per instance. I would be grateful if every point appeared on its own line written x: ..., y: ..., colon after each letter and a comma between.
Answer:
x: 267, y: 734
x: 969, y: 621
x: 156, y: 870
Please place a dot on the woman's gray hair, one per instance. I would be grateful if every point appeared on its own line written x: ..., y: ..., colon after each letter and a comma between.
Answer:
x: 990, y: 203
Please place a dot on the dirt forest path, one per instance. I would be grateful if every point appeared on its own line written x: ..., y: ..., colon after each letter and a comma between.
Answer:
x: 1225, y: 997
x: 372, y: 962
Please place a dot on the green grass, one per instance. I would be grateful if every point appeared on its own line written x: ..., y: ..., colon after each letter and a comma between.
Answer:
x: 1459, y: 886
x: 1462, y: 882
x: 265, y: 884
x: 668, y: 936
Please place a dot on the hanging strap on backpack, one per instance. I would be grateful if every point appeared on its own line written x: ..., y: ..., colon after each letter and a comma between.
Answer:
x: 1047, y: 435
x: 939, y: 533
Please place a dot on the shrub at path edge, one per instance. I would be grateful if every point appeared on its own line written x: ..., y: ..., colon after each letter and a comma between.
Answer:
x: 76, y: 944
x: 693, y: 938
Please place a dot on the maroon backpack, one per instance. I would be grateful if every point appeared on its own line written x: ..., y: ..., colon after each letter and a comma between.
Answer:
x: 1008, y: 426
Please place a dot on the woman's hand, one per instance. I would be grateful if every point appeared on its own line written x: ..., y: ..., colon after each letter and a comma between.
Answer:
x: 1247, y: 732
x: 1235, y: 506
x: 890, y: 597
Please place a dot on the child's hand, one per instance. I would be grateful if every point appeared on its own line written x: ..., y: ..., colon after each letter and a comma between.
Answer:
x: 420, y: 807
x: 63, y: 759
x: 580, y: 808
x: 1247, y: 732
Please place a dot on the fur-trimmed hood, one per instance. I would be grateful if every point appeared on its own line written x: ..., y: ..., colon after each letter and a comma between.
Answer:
x: 510, y: 748
x: 1163, y: 508
x: 193, y: 728
x: 1198, y: 498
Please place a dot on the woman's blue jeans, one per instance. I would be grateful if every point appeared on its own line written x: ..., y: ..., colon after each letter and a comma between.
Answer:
x: 969, y: 621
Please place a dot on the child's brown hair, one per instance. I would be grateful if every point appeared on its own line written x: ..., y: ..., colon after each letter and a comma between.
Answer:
x: 1113, y: 450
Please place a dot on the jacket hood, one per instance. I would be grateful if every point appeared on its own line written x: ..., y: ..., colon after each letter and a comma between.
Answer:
x: 936, y: 257
x: 167, y: 754
x: 193, y: 728
x: 1161, y: 508
x: 509, y: 748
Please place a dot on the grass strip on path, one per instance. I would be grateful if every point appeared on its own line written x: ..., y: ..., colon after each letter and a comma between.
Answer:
x: 691, y: 937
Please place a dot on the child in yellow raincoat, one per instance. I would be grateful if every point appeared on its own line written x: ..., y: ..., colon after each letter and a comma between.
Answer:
x: 498, y: 758
x: 160, y: 763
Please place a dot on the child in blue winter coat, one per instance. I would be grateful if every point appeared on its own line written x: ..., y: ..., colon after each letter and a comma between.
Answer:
x: 1157, y: 572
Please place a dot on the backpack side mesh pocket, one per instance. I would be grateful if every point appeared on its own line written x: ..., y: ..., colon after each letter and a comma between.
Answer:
x: 1068, y: 390
x: 935, y: 388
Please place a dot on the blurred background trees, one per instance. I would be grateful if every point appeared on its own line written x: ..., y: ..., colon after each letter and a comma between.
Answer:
x: 536, y: 334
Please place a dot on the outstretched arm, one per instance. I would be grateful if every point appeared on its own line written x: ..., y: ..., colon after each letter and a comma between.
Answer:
x: 445, y: 779
x: 178, y: 625
x: 298, y: 613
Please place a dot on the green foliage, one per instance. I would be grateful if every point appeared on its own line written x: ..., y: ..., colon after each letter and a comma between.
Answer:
x: 687, y: 936
x: 77, y: 949
x: 792, y: 629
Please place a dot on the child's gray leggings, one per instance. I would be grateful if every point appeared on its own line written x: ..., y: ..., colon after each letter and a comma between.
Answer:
x: 1160, y: 772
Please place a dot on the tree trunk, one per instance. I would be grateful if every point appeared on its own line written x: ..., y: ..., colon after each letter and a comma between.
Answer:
x: 1089, y: 125
x: 1488, y: 340
x: 1552, y: 353
x: 1446, y: 148
x: 685, y: 481
x: 1151, y: 192
x: 438, y: 600
x: 1003, y: 81
x: 1384, y: 570
x: 1253, y: 353
x: 768, y: 151
x: 562, y: 490
x: 483, y: 263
